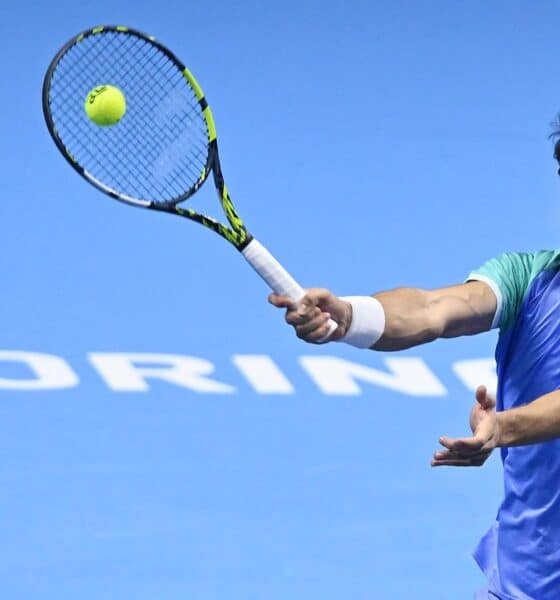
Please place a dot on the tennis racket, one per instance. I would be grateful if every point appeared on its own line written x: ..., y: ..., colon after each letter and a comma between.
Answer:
x: 165, y: 146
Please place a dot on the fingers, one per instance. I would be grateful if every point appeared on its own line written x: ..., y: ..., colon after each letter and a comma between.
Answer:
x: 280, y: 301
x: 451, y: 460
x: 466, y: 452
x: 297, y: 313
x: 452, y: 454
x: 312, y: 297
x: 310, y: 324
x: 470, y: 445
x: 305, y: 321
x: 310, y: 315
x: 314, y: 330
x: 480, y: 394
x: 471, y: 451
x: 308, y: 320
x: 485, y: 399
x: 305, y: 308
x: 302, y: 314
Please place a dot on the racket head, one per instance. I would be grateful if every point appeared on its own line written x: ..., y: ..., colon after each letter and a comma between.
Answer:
x: 164, y: 147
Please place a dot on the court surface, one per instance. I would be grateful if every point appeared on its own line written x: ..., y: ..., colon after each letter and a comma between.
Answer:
x: 163, y: 434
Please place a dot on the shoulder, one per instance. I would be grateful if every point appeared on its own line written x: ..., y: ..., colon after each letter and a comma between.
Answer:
x: 510, y: 276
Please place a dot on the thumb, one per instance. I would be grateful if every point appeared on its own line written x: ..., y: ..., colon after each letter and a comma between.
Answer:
x: 280, y: 301
x: 485, y: 400
x: 313, y: 297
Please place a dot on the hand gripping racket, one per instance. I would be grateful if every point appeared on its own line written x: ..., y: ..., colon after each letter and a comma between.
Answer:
x: 164, y: 147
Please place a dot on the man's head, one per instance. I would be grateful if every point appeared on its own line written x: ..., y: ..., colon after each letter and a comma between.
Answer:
x: 555, y: 135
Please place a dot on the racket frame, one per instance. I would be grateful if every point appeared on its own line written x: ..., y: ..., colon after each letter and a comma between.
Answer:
x: 237, y: 234
x: 253, y: 251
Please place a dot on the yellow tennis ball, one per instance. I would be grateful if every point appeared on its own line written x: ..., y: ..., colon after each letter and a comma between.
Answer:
x: 105, y: 105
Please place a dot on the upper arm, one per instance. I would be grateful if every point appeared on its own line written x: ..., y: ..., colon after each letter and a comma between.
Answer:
x: 414, y: 316
x: 493, y: 294
x: 492, y: 297
x: 463, y: 309
x: 510, y: 276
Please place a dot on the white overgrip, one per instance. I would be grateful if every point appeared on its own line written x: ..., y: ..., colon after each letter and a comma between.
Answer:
x: 276, y: 276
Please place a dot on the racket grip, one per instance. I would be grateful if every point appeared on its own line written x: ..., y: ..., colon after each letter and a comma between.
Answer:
x: 276, y: 276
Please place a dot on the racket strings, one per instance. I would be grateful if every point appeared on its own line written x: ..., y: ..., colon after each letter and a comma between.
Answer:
x: 152, y: 151
x: 159, y: 150
x: 98, y: 156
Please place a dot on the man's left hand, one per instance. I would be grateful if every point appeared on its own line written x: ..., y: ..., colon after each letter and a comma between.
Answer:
x: 472, y: 451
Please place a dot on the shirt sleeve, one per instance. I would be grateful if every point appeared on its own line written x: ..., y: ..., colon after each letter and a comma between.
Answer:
x: 509, y: 276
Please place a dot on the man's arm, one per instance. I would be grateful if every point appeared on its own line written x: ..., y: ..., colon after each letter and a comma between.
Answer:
x: 412, y: 316
x: 536, y: 422
x: 533, y: 423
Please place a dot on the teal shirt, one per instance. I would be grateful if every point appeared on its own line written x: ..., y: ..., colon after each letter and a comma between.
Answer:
x: 520, y: 554
x: 510, y: 276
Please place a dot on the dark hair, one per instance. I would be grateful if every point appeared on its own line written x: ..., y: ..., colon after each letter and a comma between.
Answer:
x: 555, y: 136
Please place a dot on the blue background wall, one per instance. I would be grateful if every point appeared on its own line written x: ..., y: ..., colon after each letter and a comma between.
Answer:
x: 403, y: 143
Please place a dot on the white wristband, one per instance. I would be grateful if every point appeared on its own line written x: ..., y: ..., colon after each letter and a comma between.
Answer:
x: 368, y: 321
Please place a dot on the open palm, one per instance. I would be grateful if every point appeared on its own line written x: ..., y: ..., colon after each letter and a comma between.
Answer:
x: 472, y: 451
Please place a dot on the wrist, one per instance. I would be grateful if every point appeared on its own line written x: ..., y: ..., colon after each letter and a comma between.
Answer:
x: 367, y: 323
x: 511, y: 429
x: 501, y: 431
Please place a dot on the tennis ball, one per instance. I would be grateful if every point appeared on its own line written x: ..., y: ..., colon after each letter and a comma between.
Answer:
x: 105, y: 105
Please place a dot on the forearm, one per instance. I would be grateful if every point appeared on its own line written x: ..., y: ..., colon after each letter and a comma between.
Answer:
x: 415, y: 316
x: 536, y: 422
x: 392, y: 320
x: 408, y: 319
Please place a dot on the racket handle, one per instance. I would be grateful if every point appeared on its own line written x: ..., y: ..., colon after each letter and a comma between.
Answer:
x: 276, y: 276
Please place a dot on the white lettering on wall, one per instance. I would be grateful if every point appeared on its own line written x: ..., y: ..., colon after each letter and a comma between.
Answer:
x: 129, y: 372
x: 406, y: 375
x: 263, y: 374
x: 475, y: 372
x: 49, y: 372
x: 132, y: 372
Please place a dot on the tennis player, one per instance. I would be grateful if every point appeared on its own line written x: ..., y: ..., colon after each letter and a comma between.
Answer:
x: 519, y: 293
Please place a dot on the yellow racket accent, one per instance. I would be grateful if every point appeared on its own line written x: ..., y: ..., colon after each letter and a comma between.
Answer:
x: 194, y: 84
x: 210, y: 124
